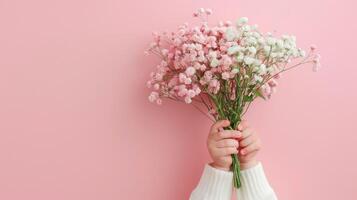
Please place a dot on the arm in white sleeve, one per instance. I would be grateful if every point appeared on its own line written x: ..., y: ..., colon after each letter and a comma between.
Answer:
x: 255, y: 185
x: 214, y: 184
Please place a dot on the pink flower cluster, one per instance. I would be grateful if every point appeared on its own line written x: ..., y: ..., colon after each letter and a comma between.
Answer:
x: 200, y: 59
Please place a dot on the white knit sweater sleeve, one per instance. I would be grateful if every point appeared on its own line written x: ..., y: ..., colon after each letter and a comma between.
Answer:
x: 214, y: 184
x: 217, y: 185
x: 255, y: 185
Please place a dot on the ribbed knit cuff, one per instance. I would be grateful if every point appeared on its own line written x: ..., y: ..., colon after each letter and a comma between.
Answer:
x: 214, y: 184
x: 255, y: 185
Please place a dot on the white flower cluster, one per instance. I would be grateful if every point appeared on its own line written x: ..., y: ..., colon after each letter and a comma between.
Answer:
x: 262, y: 54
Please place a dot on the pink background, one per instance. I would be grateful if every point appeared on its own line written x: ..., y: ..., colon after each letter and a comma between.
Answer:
x: 76, y: 123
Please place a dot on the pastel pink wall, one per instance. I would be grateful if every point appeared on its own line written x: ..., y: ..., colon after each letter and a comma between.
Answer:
x: 76, y: 123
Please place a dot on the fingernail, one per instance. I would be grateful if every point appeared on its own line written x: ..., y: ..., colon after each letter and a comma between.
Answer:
x: 240, y: 127
x: 242, y: 152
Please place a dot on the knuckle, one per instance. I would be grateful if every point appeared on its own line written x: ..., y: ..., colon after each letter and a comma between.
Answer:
x: 236, y: 143
x: 231, y: 134
x: 227, y: 151
x: 244, y: 142
x: 235, y: 133
x: 248, y: 150
x: 232, y: 150
x: 221, y: 134
x: 244, y: 133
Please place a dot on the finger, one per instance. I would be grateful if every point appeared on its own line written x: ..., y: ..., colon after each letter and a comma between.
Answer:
x: 226, y: 151
x: 225, y: 134
x: 220, y: 124
x: 247, y: 132
x: 242, y: 125
x: 255, y: 146
x: 227, y: 143
x: 247, y: 141
x: 249, y: 155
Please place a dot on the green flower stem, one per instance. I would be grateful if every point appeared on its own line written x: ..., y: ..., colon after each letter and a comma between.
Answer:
x: 236, y: 171
x: 227, y: 111
x: 235, y: 167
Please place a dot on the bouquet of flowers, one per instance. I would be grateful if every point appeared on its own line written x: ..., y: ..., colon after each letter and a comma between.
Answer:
x: 223, y: 68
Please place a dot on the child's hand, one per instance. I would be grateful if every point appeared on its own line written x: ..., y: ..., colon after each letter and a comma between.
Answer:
x: 221, y: 144
x: 249, y: 145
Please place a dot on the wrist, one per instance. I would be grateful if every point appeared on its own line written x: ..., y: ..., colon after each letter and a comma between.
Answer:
x: 223, y: 168
x: 248, y: 165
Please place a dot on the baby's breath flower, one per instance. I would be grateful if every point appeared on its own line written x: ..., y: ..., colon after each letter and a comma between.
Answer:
x: 230, y: 34
x: 240, y: 57
x: 191, y: 93
x: 258, y: 78
x: 262, y: 69
x: 233, y: 49
x: 280, y: 44
x: 159, y: 101
x: 214, y: 62
x: 153, y: 96
x: 252, y: 50
x: 190, y: 71
x: 302, y: 53
x: 208, y: 11
x: 225, y: 75
x: 246, y: 28
x: 235, y: 70
x: 241, y: 21
x: 188, y: 81
x: 188, y: 100
x: 271, y: 41
x: 156, y: 86
x: 248, y: 60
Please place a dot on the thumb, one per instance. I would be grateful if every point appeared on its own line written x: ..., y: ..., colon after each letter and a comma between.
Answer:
x: 242, y: 125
